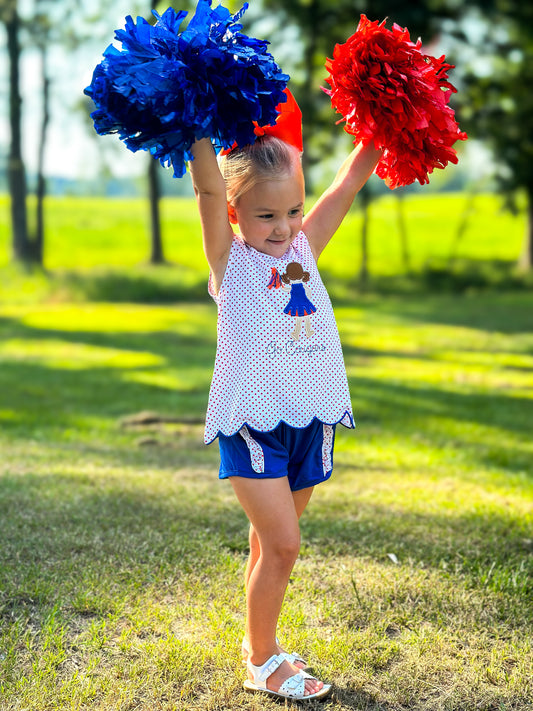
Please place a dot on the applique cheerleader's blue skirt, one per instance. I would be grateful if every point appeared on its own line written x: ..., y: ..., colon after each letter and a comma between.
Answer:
x: 299, y: 304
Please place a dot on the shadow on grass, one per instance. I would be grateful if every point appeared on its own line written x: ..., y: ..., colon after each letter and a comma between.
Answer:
x: 35, y: 393
x: 169, y: 283
x: 93, y: 546
x: 69, y: 538
x: 400, y: 404
x: 436, y: 278
x: 156, y: 285
x: 360, y: 701
x: 143, y: 284
x: 467, y: 542
x: 90, y: 553
x: 503, y: 312
x: 73, y: 535
x: 181, y: 347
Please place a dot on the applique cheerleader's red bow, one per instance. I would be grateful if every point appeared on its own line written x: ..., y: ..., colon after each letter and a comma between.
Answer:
x: 288, y: 126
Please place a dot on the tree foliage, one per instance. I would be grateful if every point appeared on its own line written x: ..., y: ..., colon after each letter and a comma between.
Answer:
x: 497, y: 101
x: 320, y: 27
x: 498, y: 105
x: 39, y: 30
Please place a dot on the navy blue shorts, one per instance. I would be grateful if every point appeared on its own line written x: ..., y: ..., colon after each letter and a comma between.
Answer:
x: 303, y: 455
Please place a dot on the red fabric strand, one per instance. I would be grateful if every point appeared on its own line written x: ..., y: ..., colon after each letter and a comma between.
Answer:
x: 391, y: 93
x: 288, y: 126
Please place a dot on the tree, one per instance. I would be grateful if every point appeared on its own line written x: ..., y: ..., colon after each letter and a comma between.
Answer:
x: 154, y: 191
x: 22, y: 246
x: 42, y: 30
x: 365, y: 198
x: 497, y: 101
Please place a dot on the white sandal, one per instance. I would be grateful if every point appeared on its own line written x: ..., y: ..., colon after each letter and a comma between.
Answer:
x: 291, y: 657
x: 292, y: 688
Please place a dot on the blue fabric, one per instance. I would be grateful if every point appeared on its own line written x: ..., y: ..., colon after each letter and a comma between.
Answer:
x: 288, y: 451
x: 299, y: 304
x: 166, y: 88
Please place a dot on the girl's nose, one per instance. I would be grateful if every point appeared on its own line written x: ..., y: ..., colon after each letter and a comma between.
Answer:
x: 282, y: 228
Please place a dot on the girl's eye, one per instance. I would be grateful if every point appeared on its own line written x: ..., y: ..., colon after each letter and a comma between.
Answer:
x: 265, y: 217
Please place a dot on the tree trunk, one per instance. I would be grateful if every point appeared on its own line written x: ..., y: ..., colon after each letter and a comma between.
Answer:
x: 22, y: 249
x: 154, y: 189
x: 365, y: 199
x: 307, y: 104
x: 462, y: 227
x: 41, y: 180
x: 526, y: 259
x: 156, y: 255
x: 402, y: 231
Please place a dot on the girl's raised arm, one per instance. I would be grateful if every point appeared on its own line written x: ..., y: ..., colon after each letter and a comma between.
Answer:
x: 323, y: 220
x: 210, y: 191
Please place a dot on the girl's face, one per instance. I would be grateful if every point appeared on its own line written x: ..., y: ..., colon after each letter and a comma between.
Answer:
x: 270, y: 214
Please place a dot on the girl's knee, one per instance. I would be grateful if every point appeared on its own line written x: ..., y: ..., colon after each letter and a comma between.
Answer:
x: 284, y: 549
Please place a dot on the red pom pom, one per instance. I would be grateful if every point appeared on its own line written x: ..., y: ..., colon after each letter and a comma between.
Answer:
x: 391, y: 93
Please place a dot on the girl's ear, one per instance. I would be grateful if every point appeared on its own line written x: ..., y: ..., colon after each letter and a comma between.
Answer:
x: 232, y: 214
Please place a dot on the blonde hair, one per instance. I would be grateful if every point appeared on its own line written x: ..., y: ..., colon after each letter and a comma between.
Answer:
x: 266, y: 159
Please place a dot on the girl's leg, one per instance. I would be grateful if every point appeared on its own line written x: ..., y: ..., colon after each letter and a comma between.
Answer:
x: 295, y: 335
x: 273, y: 513
x: 301, y: 499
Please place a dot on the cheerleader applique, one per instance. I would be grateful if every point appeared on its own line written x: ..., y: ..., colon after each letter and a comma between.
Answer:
x: 299, y: 307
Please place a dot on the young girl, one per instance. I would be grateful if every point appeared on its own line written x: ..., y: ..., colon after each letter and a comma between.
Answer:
x: 273, y: 403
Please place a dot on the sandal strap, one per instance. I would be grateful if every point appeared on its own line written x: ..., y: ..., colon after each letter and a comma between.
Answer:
x: 292, y: 657
x: 289, y: 656
x: 294, y: 686
x: 261, y: 673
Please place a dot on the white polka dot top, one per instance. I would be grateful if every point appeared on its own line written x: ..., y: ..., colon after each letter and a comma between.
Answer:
x: 279, y: 356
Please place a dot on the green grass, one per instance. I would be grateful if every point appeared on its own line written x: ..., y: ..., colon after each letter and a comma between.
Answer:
x: 121, y: 555
x: 90, y: 241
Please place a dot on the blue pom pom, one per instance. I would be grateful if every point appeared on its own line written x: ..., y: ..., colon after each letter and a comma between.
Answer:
x: 167, y: 88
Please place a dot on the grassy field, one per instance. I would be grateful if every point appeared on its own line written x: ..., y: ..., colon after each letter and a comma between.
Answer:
x: 121, y: 555
x: 90, y: 241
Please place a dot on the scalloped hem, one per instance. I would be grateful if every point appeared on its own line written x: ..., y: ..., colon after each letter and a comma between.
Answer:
x: 342, y: 421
